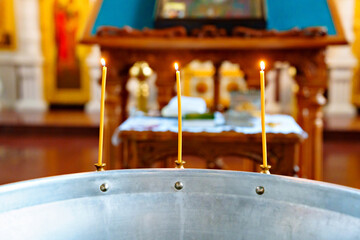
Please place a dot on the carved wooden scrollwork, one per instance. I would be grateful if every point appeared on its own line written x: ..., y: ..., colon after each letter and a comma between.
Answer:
x: 209, y: 31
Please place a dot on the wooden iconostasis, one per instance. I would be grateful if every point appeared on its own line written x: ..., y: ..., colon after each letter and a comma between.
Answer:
x: 66, y: 75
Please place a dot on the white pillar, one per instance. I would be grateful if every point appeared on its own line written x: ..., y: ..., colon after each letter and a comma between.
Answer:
x: 8, y: 90
x: 341, y: 62
x: 93, y: 63
x: 94, y: 68
x: 271, y: 105
x: 29, y: 56
x: 340, y: 92
x: 286, y: 86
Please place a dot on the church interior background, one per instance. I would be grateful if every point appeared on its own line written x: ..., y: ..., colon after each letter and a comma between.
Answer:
x: 50, y: 95
x: 179, y: 119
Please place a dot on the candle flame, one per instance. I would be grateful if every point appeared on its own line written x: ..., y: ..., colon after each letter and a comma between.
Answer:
x: 176, y: 65
x: 103, y: 62
x: 262, y: 65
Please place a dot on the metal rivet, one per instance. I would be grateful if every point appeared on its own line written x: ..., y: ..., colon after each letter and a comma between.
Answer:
x: 179, y: 185
x: 104, y: 187
x: 260, y: 190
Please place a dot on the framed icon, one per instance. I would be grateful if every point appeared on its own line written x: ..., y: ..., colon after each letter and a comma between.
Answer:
x: 221, y: 13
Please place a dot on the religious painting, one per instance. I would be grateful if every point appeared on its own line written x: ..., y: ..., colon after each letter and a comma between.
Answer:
x: 66, y: 75
x: 227, y: 14
x: 211, y: 8
x: 66, y: 19
x: 7, y: 25
x: 174, y: 10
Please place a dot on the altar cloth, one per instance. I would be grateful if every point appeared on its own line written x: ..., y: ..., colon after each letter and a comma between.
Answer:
x: 284, y: 124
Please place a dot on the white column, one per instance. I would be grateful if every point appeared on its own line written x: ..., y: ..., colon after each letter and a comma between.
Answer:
x: 29, y: 56
x: 8, y: 91
x: 341, y: 62
x: 93, y: 63
x: 286, y: 86
x: 271, y: 105
x: 287, y: 93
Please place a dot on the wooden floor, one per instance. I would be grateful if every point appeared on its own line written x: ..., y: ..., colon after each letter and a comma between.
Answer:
x: 34, y: 145
x: 29, y: 157
x: 342, y: 150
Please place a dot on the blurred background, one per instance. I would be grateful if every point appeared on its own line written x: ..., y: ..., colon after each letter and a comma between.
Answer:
x: 50, y: 92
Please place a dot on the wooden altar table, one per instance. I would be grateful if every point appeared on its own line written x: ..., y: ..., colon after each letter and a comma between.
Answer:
x: 152, y: 142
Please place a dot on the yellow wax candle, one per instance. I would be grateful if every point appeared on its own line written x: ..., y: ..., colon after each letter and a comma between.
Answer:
x: 263, y: 132
x: 178, y: 85
x: 102, y: 107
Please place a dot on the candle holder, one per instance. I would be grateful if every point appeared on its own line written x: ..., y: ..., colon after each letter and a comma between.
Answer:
x: 179, y: 164
x: 265, y: 169
x: 100, y: 167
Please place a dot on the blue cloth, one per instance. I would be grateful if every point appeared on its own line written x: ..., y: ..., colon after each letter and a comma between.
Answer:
x: 282, y: 14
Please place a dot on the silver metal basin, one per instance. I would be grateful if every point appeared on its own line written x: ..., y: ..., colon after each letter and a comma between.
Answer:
x: 144, y: 204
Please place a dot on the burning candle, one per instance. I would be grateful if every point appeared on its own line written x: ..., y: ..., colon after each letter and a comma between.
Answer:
x: 265, y: 167
x: 102, y: 108
x: 179, y: 162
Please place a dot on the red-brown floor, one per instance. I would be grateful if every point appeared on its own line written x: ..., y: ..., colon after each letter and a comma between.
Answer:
x: 342, y: 162
x: 40, y: 145
x: 41, y: 156
x: 34, y: 145
x: 342, y: 150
